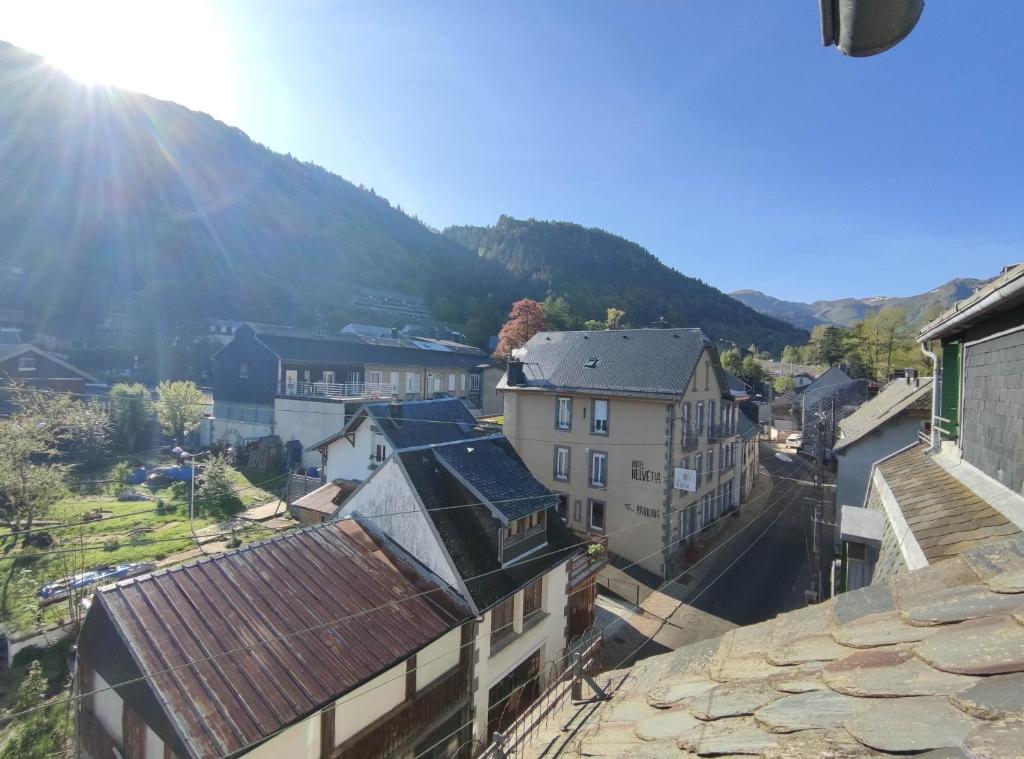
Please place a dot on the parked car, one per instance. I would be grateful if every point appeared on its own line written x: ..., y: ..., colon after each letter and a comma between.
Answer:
x: 795, y: 441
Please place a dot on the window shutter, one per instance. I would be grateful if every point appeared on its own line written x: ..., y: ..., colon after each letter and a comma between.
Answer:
x: 950, y: 406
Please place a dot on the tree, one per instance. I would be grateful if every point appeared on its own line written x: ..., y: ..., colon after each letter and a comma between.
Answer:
x: 38, y: 734
x: 827, y: 344
x: 32, y: 689
x: 791, y: 355
x: 593, y: 325
x: 216, y: 492
x: 784, y: 384
x: 614, y: 320
x: 752, y: 373
x: 732, y: 362
x: 525, y: 320
x: 131, y: 410
x: 179, y: 407
x: 90, y: 442
x: 558, y: 315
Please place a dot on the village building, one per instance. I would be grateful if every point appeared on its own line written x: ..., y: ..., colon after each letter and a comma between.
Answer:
x: 963, y: 486
x: 330, y: 641
x: 749, y: 459
x: 302, y: 384
x: 635, y: 429
x: 471, y: 512
x: 891, y: 420
x: 33, y: 368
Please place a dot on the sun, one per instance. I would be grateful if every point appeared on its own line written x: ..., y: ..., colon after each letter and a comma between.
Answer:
x: 179, y: 50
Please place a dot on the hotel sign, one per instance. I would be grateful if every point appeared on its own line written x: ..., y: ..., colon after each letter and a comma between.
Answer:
x: 641, y: 473
x: 685, y: 479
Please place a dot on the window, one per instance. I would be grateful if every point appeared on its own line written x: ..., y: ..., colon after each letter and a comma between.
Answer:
x: 535, y: 521
x: 700, y: 417
x: 533, y: 598
x: 577, y: 510
x: 698, y: 466
x: 705, y: 505
x: 501, y: 617
x: 376, y: 378
x: 561, y: 463
x: 949, y: 403
x: 380, y: 452
x: 711, y: 419
x: 599, y: 469
x: 563, y: 507
x: 474, y: 383
x: 514, y: 530
x: 599, y: 418
x: 462, y: 382
x: 306, y: 375
x: 243, y: 370
x: 596, y: 515
x: 687, y: 431
x: 563, y: 413
x: 711, y: 463
x: 855, y: 551
x: 329, y: 376
x: 355, y: 377
x: 26, y: 364
x: 451, y: 383
x: 412, y: 382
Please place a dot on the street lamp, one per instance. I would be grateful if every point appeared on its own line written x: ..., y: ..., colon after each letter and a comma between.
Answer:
x: 860, y: 28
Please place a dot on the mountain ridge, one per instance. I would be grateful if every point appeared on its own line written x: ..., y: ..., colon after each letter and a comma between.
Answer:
x: 845, y: 311
x: 124, y: 203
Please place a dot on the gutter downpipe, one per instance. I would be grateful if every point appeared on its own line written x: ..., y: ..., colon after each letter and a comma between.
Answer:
x: 936, y: 382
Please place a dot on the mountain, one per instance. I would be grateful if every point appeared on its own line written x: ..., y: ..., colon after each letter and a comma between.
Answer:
x: 595, y: 270
x: 118, y: 203
x: 846, y: 311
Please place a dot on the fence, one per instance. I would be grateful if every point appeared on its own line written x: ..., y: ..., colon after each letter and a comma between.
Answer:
x: 338, y: 390
x: 582, y: 657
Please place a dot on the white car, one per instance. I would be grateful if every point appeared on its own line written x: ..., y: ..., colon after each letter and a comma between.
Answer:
x: 795, y: 441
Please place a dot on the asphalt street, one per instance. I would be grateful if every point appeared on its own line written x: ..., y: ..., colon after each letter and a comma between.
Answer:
x: 763, y: 571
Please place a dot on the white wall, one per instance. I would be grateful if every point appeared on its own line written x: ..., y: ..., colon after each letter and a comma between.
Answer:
x: 232, y: 430
x: 154, y: 745
x: 108, y: 707
x: 300, y: 740
x: 548, y: 634
x: 387, y: 491
x: 367, y: 703
x: 348, y: 462
x: 308, y: 422
x: 437, y: 658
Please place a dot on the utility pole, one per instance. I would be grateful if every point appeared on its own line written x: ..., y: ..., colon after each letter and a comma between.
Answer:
x: 817, y: 549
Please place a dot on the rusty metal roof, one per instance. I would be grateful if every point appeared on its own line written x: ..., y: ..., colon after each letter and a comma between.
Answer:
x: 296, y: 585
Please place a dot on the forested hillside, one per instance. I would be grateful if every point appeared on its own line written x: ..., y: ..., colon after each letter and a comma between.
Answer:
x: 115, y: 202
x: 595, y: 270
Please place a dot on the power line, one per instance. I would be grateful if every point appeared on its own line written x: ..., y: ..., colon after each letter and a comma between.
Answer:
x: 322, y: 625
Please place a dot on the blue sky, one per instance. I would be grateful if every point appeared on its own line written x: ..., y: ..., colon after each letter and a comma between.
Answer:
x: 719, y: 135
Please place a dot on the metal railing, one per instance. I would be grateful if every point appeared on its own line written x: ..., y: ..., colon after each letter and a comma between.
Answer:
x: 338, y: 390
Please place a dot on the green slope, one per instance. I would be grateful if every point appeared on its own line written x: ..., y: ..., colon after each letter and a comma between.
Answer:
x: 596, y: 270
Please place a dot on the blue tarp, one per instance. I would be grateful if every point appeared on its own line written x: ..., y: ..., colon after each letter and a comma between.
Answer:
x: 138, y: 476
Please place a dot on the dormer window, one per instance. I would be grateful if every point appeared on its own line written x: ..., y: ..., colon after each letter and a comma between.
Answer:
x: 524, y: 535
x: 27, y: 364
x: 591, y: 363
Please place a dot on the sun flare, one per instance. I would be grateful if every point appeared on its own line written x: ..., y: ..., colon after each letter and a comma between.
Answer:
x: 177, y: 50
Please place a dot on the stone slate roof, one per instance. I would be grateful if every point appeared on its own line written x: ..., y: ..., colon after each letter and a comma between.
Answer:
x: 933, y: 661
x: 493, y: 469
x: 833, y: 376
x: 410, y: 424
x: 893, y: 399
x: 468, y: 529
x: 8, y: 351
x: 288, y: 591
x: 736, y: 385
x: 628, y: 362
x: 944, y: 516
x: 748, y: 428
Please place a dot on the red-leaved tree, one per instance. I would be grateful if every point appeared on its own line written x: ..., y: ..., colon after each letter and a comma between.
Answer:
x: 525, y: 320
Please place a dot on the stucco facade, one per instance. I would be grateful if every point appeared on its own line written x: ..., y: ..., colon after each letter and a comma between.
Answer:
x: 646, y: 520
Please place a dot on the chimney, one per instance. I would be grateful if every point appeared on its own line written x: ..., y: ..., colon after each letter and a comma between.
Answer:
x: 516, y: 376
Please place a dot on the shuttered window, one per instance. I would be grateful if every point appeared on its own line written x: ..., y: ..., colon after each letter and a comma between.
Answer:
x: 950, y: 407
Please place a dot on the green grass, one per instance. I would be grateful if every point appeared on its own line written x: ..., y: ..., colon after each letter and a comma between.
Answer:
x: 138, y: 533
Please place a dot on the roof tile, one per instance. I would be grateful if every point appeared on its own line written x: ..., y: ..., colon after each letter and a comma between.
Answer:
x: 996, y: 741
x: 732, y: 700
x: 735, y: 736
x: 997, y: 697
x: 990, y: 646
x: 911, y: 724
x: 889, y: 673
x: 958, y: 604
x: 809, y: 711
x: 880, y: 630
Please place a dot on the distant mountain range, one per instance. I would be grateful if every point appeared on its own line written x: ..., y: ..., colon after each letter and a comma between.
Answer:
x: 846, y: 311
x: 118, y: 203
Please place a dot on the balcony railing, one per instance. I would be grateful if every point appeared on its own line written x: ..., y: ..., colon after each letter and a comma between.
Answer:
x: 720, y: 431
x: 336, y: 391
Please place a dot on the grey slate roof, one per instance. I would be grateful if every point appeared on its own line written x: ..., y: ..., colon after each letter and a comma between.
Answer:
x: 468, y: 530
x: 944, y: 516
x: 833, y: 376
x: 630, y: 362
x: 736, y: 385
x: 933, y: 661
x: 410, y: 424
x: 494, y: 470
x: 894, y: 398
x: 747, y: 428
x: 17, y: 349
